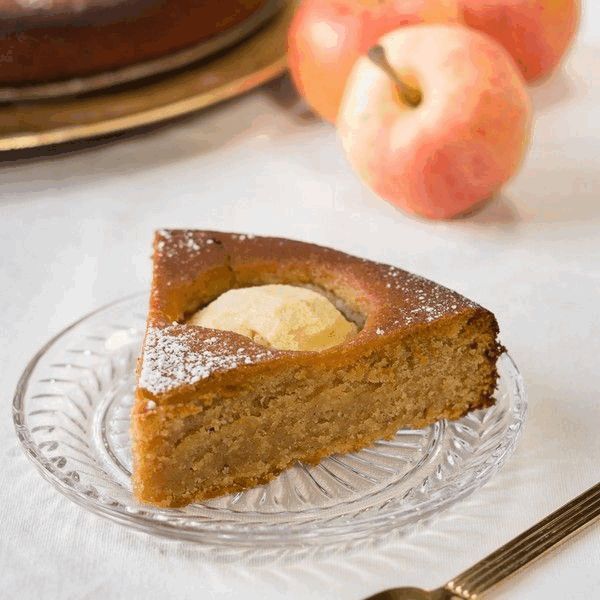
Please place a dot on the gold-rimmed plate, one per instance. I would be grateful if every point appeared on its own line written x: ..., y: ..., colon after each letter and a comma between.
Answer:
x: 255, y: 60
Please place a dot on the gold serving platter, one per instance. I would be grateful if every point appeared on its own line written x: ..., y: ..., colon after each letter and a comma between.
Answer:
x: 27, y: 124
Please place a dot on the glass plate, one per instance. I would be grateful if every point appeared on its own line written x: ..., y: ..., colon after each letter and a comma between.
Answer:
x: 71, y: 413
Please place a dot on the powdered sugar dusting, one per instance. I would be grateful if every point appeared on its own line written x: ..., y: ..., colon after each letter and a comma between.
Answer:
x: 175, y: 356
x: 172, y: 243
x: 433, y: 301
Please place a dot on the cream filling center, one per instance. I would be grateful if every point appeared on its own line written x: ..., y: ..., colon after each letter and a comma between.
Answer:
x: 285, y: 317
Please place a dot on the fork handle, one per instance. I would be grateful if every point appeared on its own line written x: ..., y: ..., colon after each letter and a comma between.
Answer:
x: 525, y: 548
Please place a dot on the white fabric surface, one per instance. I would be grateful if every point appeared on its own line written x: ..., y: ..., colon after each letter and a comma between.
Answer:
x: 75, y: 233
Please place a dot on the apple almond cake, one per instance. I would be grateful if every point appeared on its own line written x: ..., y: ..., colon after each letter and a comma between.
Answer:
x: 260, y: 352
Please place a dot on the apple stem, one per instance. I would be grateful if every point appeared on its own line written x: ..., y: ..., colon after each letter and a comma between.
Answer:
x: 410, y: 95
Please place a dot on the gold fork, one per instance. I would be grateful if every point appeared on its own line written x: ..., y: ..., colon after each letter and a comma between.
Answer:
x: 554, y: 529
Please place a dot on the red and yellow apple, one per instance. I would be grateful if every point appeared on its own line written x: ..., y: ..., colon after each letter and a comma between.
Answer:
x: 326, y: 38
x: 537, y: 33
x: 451, y: 135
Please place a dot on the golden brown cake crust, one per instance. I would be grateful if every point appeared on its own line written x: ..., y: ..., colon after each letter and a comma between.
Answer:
x: 60, y: 39
x: 192, y: 268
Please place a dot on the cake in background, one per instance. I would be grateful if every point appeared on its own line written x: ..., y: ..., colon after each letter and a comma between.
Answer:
x: 61, y: 39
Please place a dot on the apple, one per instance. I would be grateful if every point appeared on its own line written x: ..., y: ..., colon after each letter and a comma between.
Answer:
x: 537, y: 33
x: 326, y: 37
x: 435, y: 119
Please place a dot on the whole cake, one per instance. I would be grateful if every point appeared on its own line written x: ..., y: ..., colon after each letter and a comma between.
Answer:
x: 47, y: 40
x: 260, y: 352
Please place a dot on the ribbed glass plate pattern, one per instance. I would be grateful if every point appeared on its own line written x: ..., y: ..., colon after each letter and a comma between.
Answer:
x: 71, y: 413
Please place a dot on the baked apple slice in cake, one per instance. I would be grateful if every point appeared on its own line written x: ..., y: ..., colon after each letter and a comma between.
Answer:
x: 260, y: 352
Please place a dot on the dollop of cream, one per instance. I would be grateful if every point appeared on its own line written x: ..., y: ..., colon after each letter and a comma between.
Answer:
x: 285, y: 317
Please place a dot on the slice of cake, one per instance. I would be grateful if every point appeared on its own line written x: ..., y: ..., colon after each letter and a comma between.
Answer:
x: 229, y: 396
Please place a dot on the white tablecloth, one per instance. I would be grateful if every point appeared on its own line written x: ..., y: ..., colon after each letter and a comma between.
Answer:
x: 75, y: 232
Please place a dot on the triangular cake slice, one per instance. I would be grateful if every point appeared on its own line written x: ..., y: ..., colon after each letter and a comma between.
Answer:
x: 217, y: 413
